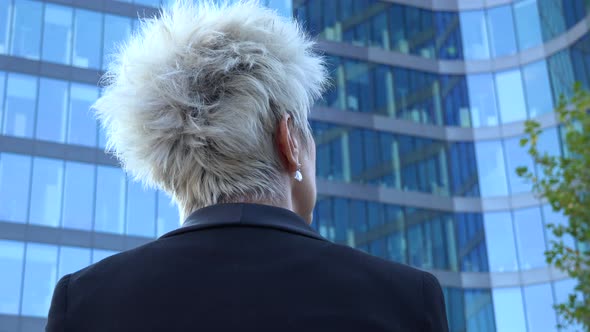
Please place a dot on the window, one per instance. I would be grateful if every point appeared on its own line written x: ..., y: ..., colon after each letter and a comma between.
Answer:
x: 482, y: 100
x: 500, y: 244
x: 100, y: 254
x: 502, y: 36
x: 562, y: 290
x: 537, y: 88
x: 110, y: 200
x: 82, y: 127
x: 156, y: 3
x: 282, y: 6
x: 528, y: 26
x: 530, y: 238
x: 141, y: 210
x: 474, y: 34
x: 491, y: 170
x: 72, y: 259
x: 116, y: 30
x: 19, y: 114
x: 510, y: 96
x: 168, y: 218
x: 5, y: 16
x: 46, y: 192
x: 479, y: 310
x: 517, y: 156
x: 15, y: 172
x: 40, y: 279
x: 557, y: 219
x: 561, y: 73
x: 552, y: 17
x: 52, y: 111
x: 508, y: 309
x: 2, y: 90
x: 26, y: 27
x: 57, y: 34
x: 539, y: 307
x: 78, y: 196
x: 11, y: 265
x: 87, y: 32
x: 448, y: 35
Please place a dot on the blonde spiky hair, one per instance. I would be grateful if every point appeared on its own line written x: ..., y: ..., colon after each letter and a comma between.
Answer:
x: 193, y: 98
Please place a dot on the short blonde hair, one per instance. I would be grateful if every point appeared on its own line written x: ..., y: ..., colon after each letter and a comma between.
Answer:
x: 192, y: 100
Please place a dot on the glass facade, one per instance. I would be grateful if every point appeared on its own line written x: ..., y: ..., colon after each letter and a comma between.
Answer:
x: 72, y: 189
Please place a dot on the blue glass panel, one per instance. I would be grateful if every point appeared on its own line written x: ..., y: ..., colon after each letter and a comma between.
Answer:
x: 517, y: 156
x: 78, y: 196
x: 46, y: 192
x: 52, y: 112
x: 539, y: 308
x: 562, y: 291
x: 482, y: 100
x: 508, y: 310
x: 26, y: 38
x: 561, y: 73
x: 538, y: 88
x: 40, y: 279
x: 454, y: 100
x: 344, y: 232
x: 500, y: 242
x: 100, y: 254
x: 491, y: 170
x: 283, y: 7
x: 15, y: 172
x: 552, y: 17
x: 2, y: 91
x: 116, y: 30
x: 557, y: 219
x: 530, y: 238
x: 528, y: 25
x: 5, y: 17
x: 82, y: 125
x: 168, y: 218
x: 72, y: 259
x: 510, y: 96
x: 57, y: 34
x: 88, y: 32
x: 152, y: 3
x: 141, y: 210
x: 448, y: 35
x: 501, y: 28
x: 19, y: 109
x: 479, y: 311
x: 11, y: 265
x: 474, y: 34
x: 110, y: 200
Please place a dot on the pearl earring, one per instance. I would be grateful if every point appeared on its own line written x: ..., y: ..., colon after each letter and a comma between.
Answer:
x: 298, y: 175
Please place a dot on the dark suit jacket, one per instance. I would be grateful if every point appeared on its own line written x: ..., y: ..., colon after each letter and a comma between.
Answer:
x: 246, y: 267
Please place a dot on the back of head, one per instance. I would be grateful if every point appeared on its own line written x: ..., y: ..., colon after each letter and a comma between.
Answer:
x: 193, y: 98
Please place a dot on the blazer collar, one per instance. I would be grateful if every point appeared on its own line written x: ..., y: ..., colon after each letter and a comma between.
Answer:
x: 246, y: 214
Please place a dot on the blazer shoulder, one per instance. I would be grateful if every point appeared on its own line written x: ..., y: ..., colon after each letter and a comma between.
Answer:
x: 59, y: 306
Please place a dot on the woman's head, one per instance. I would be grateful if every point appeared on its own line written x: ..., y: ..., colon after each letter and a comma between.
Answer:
x: 210, y: 104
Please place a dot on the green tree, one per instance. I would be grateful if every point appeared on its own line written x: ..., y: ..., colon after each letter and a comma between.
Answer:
x: 564, y: 182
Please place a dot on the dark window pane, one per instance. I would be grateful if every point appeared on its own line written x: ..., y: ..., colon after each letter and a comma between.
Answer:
x: 552, y: 18
x: 26, y: 38
x: 40, y: 279
x: 116, y: 30
x: 52, y: 112
x: 15, y: 172
x: 11, y: 265
x: 46, y: 192
x: 482, y: 99
x: 141, y: 210
x: 500, y: 242
x: 530, y: 238
x: 57, y: 34
x: 19, y: 113
x: 539, y: 307
x: 448, y: 35
x: 87, y: 32
x: 474, y: 34
x: 5, y: 16
x: 479, y: 310
x: 510, y: 96
x: 78, y: 196
x: 561, y: 73
x: 110, y: 200
x: 537, y: 88
x: 528, y: 25
x: 72, y: 259
x: 500, y: 22
x: 168, y: 218
x: 508, y: 309
x: 490, y: 166
x: 82, y: 126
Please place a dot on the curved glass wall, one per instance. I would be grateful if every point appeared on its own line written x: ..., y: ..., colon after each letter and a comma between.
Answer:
x: 471, y: 35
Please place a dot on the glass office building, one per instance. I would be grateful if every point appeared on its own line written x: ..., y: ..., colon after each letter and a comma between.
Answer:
x: 417, y: 142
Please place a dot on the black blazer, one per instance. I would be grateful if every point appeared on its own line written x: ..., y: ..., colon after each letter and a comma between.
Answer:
x: 246, y: 267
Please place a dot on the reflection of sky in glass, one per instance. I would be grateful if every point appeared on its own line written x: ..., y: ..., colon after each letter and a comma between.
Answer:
x: 500, y: 242
x: 530, y: 239
x: 40, y: 279
x: 11, y: 259
x: 539, y: 307
x: 491, y: 169
x: 508, y: 309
